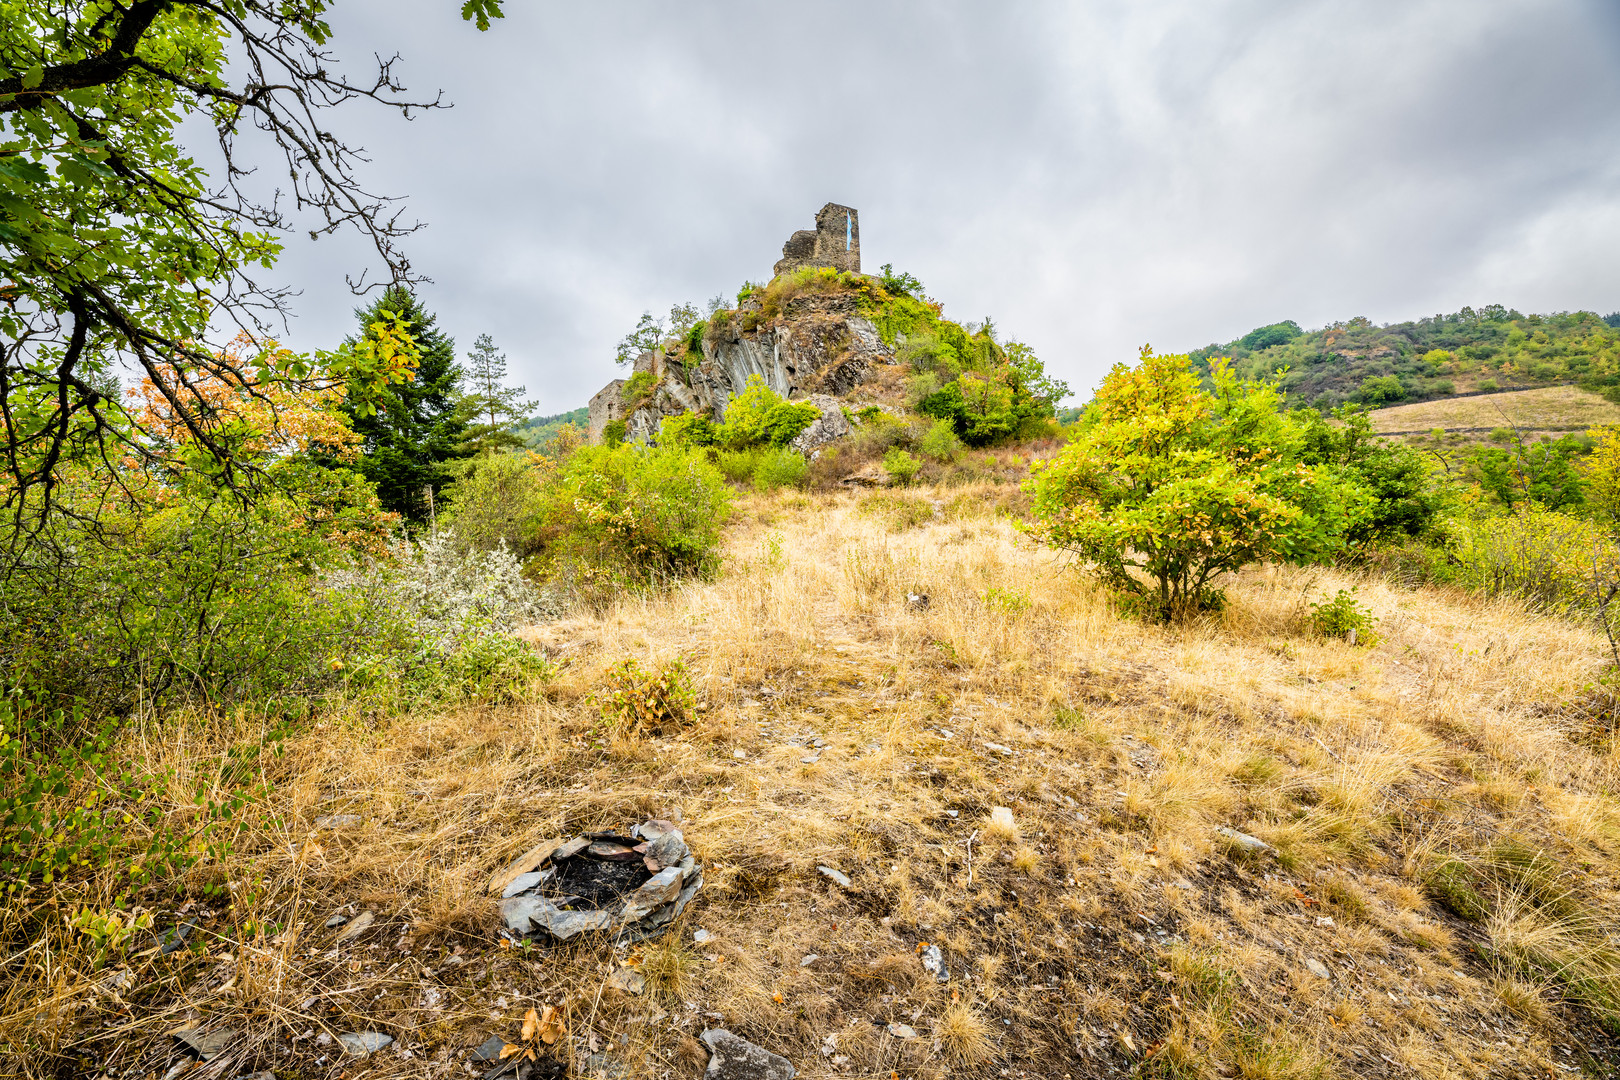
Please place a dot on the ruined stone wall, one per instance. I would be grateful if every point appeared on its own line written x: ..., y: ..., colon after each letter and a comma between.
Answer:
x: 835, y: 242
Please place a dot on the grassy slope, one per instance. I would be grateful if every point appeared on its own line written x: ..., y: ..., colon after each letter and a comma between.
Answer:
x: 1112, y: 923
x: 1550, y: 409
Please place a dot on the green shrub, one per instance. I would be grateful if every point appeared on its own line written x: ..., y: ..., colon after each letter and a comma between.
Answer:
x: 686, y: 430
x: 940, y: 441
x: 637, y: 389
x: 759, y: 417
x: 1166, y: 486
x: 68, y: 805
x: 1489, y: 386
x: 636, y: 516
x: 738, y: 466
x: 613, y: 432
x: 1554, y: 560
x: 900, y: 466
x: 644, y: 702
x: 694, y: 337
x: 500, y: 498
x: 780, y: 468
x: 1343, y: 617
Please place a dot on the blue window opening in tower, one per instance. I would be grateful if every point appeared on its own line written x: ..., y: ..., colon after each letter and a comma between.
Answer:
x: 849, y: 232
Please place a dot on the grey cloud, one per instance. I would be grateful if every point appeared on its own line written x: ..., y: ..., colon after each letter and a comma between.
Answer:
x: 1093, y: 175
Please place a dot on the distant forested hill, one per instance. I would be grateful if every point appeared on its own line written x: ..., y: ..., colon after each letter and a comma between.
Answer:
x: 1495, y: 348
x: 539, y: 430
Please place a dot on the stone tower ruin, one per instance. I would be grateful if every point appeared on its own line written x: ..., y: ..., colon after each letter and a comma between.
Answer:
x: 836, y: 242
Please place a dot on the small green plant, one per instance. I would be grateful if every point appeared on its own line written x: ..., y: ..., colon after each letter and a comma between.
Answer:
x: 613, y: 433
x: 645, y: 702
x: 109, y: 930
x: 780, y: 468
x: 940, y: 441
x: 1014, y: 603
x: 1489, y: 386
x: 901, y: 466
x: 637, y: 390
x: 1068, y: 718
x: 1344, y: 617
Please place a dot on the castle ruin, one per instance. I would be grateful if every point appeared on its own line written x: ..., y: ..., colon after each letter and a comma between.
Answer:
x: 836, y: 242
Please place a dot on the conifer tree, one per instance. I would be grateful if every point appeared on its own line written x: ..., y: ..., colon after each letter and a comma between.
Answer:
x: 421, y: 424
x: 496, y: 406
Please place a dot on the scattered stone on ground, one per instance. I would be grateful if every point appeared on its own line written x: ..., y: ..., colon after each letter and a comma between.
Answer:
x: 838, y: 877
x: 489, y: 1049
x: 809, y: 959
x: 902, y: 1031
x: 733, y: 1058
x: 361, y: 1043
x: 1002, y: 818
x: 1243, y: 840
x: 356, y: 926
x: 627, y: 980
x: 176, y: 937
x: 933, y: 961
x: 1317, y: 968
x: 337, y: 821
x: 633, y: 885
x: 700, y: 936
x: 204, y: 1046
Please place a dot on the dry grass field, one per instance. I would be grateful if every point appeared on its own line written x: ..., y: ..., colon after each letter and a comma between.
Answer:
x: 1111, y: 931
x: 1550, y: 409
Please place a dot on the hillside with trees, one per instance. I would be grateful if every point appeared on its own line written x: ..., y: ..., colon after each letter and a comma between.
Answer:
x: 1494, y: 348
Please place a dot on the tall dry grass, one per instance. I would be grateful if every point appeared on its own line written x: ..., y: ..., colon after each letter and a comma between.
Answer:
x: 1119, y: 746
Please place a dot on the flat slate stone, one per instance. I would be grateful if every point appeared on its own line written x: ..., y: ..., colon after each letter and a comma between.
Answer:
x: 523, y: 864
x: 206, y: 1046
x: 361, y: 1043
x: 732, y: 1058
x: 356, y: 927
x: 523, y: 883
x: 837, y: 876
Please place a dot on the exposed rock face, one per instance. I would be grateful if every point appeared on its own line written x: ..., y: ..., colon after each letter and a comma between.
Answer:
x: 820, y: 346
x: 836, y: 242
x: 831, y: 424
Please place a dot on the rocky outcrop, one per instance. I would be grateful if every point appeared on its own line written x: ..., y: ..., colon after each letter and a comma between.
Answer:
x: 818, y: 348
x: 830, y: 425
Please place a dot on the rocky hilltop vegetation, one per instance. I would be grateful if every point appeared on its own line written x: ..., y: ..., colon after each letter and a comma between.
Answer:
x: 855, y: 352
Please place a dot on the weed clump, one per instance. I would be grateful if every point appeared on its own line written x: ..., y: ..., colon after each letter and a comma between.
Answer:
x: 1344, y: 617
x: 644, y: 702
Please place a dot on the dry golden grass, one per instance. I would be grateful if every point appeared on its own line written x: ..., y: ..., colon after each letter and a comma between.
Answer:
x: 1112, y: 929
x: 1552, y: 408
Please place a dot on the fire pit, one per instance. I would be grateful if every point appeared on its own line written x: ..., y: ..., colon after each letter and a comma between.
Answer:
x: 630, y: 885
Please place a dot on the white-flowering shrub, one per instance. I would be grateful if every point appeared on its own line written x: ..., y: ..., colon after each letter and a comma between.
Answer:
x: 443, y: 616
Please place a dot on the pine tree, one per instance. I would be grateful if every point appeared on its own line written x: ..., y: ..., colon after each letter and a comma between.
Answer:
x: 496, y: 406
x: 422, y: 425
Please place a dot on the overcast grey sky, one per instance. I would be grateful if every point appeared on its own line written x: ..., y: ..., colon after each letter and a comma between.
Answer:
x: 1094, y: 176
